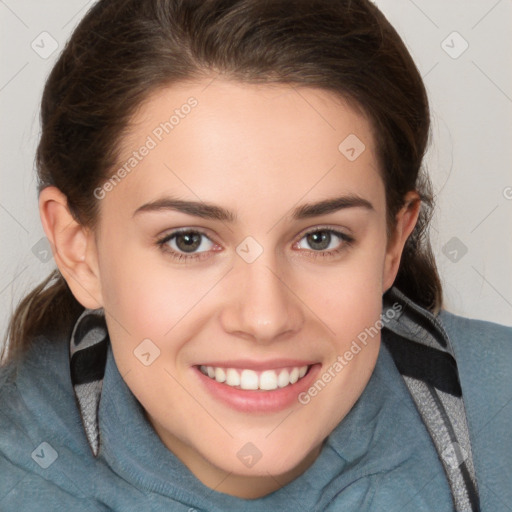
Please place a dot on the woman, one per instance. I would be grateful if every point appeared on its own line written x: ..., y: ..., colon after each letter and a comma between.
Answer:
x: 246, y: 313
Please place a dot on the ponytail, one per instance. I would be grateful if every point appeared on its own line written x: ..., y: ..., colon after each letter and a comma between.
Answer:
x: 49, y: 308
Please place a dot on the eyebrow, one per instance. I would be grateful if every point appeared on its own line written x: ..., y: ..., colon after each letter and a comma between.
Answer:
x: 211, y: 211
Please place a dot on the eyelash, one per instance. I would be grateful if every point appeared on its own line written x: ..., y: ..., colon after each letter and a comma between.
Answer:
x: 162, y: 244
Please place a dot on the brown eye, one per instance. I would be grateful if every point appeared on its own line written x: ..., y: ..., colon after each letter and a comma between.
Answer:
x: 188, y: 242
x: 184, y: 244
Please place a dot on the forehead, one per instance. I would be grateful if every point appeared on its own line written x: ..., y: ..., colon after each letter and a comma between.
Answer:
x: 252, y: 143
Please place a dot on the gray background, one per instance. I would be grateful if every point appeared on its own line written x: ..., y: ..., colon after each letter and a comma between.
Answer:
x: 469, y: 159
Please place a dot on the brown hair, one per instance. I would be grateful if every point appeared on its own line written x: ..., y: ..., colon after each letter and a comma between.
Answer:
x: 124, y: 50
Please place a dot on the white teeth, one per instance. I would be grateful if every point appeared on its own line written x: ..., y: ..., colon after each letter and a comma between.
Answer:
x: 294, y: 375
x: 232, y: 377
x: 267, y: 380
x: 284, y: 379
x: 220, y: 375
x: 249, y: 379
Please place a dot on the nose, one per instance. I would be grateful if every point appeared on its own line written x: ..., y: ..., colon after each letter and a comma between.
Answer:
x: 262, y: 305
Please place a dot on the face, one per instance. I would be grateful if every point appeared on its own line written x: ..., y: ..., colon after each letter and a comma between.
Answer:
x: 229, y: 296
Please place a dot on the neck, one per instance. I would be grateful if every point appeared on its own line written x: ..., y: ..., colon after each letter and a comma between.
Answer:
x: 240, y: 486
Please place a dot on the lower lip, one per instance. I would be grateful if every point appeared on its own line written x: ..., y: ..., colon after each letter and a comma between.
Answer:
x: 258, y: 400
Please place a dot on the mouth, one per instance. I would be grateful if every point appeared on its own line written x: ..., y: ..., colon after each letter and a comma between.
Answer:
x: 259, y: 388
x: 248, y: 379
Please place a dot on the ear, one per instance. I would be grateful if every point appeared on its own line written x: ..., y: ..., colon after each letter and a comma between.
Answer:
x: 73, y: 247
x: 406, y: 220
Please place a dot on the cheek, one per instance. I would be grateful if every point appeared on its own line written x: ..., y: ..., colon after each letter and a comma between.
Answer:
x: 350, y: 303
x: 352, y: 295
x: 353, y: 318
x: 136, y: 290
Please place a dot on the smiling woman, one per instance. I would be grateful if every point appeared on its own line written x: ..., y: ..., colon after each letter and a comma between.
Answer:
x: 248, y: 317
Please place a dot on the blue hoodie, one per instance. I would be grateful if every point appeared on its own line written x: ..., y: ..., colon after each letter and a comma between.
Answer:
x: 383, y: 456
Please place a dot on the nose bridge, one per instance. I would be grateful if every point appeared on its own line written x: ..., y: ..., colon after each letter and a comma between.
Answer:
x: 261, y: 304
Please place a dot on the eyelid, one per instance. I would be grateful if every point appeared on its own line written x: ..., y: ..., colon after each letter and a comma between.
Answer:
x: 325, y: 227
x: 189, y: 229
x: 298, y: 237
x: 346, y: 241
x: 164, y: 239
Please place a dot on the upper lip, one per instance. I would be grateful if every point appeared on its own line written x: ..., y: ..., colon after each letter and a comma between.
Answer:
x: 258, y: 365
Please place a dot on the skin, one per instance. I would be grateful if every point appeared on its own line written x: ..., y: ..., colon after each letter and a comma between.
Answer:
x: 260, y: 151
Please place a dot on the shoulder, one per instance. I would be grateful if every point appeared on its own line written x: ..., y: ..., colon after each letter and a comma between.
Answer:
x: 468, y: 325
x: 39, y: 383
x: 483, y: 352
x: 480, y: 345
x: 40, y: 425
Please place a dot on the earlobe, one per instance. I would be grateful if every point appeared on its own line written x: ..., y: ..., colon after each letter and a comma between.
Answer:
x: 406, y: 220
x: 73, y: 246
